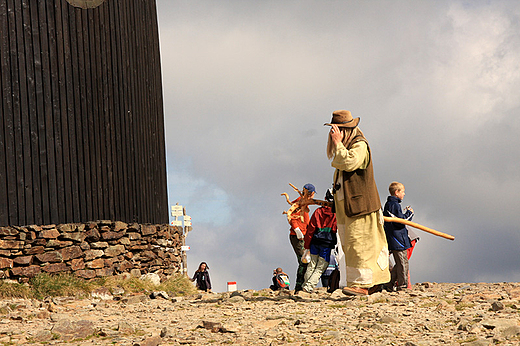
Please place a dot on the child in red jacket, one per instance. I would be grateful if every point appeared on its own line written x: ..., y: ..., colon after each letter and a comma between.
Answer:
x: 320, y: 239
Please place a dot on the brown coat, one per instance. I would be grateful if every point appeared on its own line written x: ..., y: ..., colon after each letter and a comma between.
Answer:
x: 361, y: 195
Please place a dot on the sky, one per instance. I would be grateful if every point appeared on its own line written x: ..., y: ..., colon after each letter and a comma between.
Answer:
x: 248, y: 85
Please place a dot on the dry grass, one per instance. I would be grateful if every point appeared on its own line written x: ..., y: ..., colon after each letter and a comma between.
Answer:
x: 66, y: 285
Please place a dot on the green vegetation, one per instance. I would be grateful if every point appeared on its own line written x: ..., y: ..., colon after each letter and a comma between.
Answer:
x: 463, y: 305
x: 65, y: 285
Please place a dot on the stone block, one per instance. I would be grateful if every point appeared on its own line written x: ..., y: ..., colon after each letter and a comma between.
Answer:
x: 99, y: 245
x: 119, y: 226
x: 23, y: 260
x: 96, y: 264
x: 148, y: 229
x: 91, y: 254
x: 92, y: 235
x: 86, y: 274
x: 51, y: 256
x: 30, y: 271
x: 49, y: 233
x: 6, y: 263
x: 6, y: 231
x: 56, y: 268
x: 77, y: 264
x: 115, y: 250
x: 71, y: 252
x: 107, y: 271
x: 110, y: 235
x: 66, y: 227
x: 140, y: 247
x: 11, y: 244
x: 78, y: 237
x: 125, y: 266
x: 34, y: 250
x: 133, y: 236
x: 58, y: 243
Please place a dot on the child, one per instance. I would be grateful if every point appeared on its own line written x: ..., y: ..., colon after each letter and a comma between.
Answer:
x: 297, y: 232
x: 397, y: 235
x: 333, y: 264
x: 320, y: 239
x: 202, y: 277
x: 280, y: 280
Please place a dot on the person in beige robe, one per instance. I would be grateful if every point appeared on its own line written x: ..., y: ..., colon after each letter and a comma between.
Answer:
x: 358, y: 207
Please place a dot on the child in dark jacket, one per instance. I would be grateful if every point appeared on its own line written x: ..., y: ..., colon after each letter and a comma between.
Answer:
x: 320, y: 239
x: 397, y: 235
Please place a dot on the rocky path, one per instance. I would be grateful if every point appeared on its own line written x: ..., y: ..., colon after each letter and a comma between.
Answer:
x: 429, y: 314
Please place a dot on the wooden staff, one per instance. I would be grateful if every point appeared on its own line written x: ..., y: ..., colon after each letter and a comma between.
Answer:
x: 398, y: 220
x: 418, y: 226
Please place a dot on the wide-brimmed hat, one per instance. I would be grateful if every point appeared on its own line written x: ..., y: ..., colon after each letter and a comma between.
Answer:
x: 343, y: 118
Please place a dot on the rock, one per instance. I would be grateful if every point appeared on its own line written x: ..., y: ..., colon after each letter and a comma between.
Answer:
x: 159, y: 294
x: 152, y: 277
x: 497, y: 306
x: 151, y: 341
x: 265, y: 317
x: 102, y: 293
x: 69, y: 330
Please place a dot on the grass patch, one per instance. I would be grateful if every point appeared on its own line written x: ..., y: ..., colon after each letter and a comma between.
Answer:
x: 59, y: 285
x: 66, y: 285
x: 14, y: 290
x: 461, y: 306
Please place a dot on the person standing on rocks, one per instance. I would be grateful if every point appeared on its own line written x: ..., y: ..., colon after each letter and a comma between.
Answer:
x: 358, y: 207
x: 319, y: 240
x: 202, y: 276
x: 397, y: 236
x: 297, y: 232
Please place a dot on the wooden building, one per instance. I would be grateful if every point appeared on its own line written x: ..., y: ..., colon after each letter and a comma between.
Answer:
x: 81, y: 112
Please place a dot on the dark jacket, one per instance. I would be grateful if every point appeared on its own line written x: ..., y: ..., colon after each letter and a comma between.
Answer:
x: 396, y: 233
x: 203, y: 281
x: 322, y: 229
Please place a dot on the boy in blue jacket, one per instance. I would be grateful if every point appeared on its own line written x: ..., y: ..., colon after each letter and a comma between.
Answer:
x: 397, y: 235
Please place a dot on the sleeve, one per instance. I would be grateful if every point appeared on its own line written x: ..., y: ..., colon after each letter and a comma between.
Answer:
x: 208, y: 281
x: 394, y: 210
x: 350, y: 160
x: 296, y: 216
x: 311, y: 227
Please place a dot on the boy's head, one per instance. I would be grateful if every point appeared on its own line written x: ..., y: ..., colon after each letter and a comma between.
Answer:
x: 278, y: 270
x: 396, y: 189
x: 309, y: 190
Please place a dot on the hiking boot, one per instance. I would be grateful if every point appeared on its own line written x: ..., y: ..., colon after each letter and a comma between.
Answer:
x: 355, y: 291
x: 375, y: 289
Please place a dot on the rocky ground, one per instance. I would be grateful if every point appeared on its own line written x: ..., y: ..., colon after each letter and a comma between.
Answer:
x: 429, y: 314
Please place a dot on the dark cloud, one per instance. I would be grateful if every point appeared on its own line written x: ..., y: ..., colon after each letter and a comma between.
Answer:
x: 249, y: 84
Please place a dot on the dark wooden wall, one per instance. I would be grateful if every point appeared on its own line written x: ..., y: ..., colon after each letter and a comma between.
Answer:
x: 82, y: 124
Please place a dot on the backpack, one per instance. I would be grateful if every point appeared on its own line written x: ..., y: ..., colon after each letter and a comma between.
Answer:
x: 283, y: 280
x: 333, y: 281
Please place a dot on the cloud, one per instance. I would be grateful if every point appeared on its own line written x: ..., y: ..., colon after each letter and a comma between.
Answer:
x: 248, y: 85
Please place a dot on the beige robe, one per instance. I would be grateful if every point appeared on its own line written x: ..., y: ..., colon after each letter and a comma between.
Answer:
x: 362, y: 238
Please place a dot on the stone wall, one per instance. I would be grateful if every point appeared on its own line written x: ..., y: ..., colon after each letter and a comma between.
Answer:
x: 89, y: 250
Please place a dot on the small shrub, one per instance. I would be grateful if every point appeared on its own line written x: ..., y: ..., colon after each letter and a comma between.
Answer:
x: 14, y: 290
x: 45, y: 285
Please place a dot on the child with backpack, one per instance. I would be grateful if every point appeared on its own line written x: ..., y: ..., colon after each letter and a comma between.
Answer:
x: 320, y: 239
x: 280, y: 280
